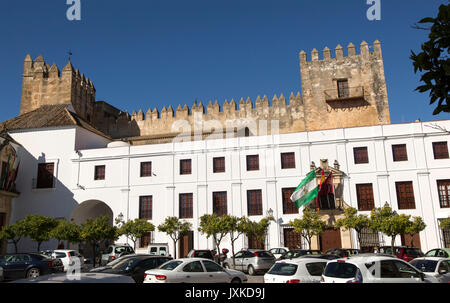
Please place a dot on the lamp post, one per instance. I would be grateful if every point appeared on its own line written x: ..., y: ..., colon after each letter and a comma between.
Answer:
x: 269, y: 214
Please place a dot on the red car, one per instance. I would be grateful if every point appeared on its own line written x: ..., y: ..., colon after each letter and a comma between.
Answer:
x: 403, y: 252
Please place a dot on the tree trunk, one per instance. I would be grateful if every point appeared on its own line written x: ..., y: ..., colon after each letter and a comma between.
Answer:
x: 15, y: 245
x: 392, y: 245
x: 174, y: 249
x: 39, y: 246
x: 232, y: 251
x: 95, y: 255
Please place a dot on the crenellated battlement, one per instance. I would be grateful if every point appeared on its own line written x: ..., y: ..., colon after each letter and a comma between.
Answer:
x: 364, y: 53
x: 155, y: 121
x: 44, y: 85
x: 339, y: 89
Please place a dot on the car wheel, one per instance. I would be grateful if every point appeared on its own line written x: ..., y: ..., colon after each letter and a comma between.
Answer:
x: 236, y: 280
x: 251, y: 271
x: 33, y: 272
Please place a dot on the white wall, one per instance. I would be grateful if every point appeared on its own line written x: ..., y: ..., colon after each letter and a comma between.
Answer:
x: 123, y: 185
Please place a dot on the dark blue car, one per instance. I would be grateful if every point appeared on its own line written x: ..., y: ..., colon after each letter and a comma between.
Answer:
x: 28, y: 265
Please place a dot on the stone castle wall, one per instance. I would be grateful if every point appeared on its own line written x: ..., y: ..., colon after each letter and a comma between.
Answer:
x: 318, y: 107
x: 46, y: 85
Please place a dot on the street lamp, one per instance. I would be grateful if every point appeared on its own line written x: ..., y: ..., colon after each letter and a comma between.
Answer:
x: 270, y: 212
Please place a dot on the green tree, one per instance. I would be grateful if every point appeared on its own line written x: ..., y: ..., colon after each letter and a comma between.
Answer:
x: 415, y: 226
x: 389, y: 223
x: 14, y: 233
x: 135, y: 229
x: 257, y: 230
x: 176, y: 229
x: 309, y: 225
x: 67, y: 231
x: 39, y: 228
x: 215, y: 226
x: 445, y: 223
x: 354, y: 221
x: 94, y: 231
x: 236, y: 227
x: 434, y: 60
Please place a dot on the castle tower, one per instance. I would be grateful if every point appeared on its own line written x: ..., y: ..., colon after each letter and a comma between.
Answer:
x: 344, y: 91
x: 43, y: 84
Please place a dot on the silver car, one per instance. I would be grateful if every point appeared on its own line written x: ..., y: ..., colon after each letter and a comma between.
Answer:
x: 251, y: 261
x: 115, y: 251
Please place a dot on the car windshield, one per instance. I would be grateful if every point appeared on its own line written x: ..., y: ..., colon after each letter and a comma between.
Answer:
x: 264, y: 254
x: 424, y: 265
x: 283, y: 269
x: 203, y: 254
x: 116, y: 261
x: 413, y: 252
x: 126, y: 264
x: 295, y: 253
x: 121, y: 249
x: 171, y: 265
x: 340, y: 270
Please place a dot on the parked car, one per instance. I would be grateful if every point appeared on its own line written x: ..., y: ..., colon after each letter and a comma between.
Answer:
x: 193, y: 270
x: 201, y: 253
x: 402, y: 252
x: 115, y: 251
x: 279, y: 251
x: 295, y: 253
x: 438, y: 252
x: 160, y: 249
x: 133, y: 266
x: 300, y: 270
x: 322, y: 256
x: 28, y: 265
x: 343, y: 252
x: 436, y: 269
x: 83, y: 278
x: 371, y: 269
x: 251, y: 261
x: 47, y: 253
x: 65, y: 255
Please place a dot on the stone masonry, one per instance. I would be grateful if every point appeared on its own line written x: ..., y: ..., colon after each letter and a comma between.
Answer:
x: 320, y: 106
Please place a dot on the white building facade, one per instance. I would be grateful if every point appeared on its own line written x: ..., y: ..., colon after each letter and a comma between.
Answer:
x: 80, y: 156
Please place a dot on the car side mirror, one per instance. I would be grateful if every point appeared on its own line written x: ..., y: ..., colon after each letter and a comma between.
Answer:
x: 442, y: 272
x: 422, y: 276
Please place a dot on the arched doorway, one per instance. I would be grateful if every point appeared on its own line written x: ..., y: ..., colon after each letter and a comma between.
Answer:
x: 91, y: 209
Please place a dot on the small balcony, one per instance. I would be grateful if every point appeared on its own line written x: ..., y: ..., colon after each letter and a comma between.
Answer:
x: 345, y: 94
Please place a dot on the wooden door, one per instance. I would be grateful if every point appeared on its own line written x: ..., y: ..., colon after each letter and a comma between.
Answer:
x: 186, y: 244
x: 292, y: 240
x: 330, y: 238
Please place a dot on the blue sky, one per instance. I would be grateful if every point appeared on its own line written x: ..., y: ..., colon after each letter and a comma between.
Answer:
x: 146, y: 54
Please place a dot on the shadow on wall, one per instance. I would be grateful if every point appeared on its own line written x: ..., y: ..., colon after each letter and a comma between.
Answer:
x: 43, y: 193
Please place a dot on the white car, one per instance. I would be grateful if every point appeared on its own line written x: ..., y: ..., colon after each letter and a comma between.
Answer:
x: 279, y: 251
x: 371, y: 269
x: 193, y: 270
x: 95, y: 277
x: 304, y: 270
x: 436, y: 269
x: 65, y: 255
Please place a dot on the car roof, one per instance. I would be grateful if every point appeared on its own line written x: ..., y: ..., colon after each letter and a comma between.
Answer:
x: 191, y: 259
x: 358, y: 259
x: 302, y: 260
x: 431, y: 258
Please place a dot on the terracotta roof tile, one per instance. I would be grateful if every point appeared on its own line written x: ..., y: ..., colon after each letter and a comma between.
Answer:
x: 48, y: 116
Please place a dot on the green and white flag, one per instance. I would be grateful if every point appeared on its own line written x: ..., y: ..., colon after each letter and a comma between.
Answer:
x: 306, y: 191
